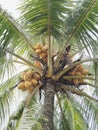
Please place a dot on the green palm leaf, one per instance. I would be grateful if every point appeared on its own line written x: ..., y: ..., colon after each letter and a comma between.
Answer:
x: 11, y: 36
x: 8, y: 104
x: 15, y: 116
x: 81, y: 24
x: 30, y: 118
x: 73, y: 116
x: 8, y: 100
x: 89, y: 111
x: 38, y: 17
x: 11, y: 33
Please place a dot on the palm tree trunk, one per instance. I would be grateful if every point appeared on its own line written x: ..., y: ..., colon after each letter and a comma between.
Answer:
x: 48, y: 110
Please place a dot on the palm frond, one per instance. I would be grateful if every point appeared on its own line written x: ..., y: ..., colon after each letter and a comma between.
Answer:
x: 11, y: 32
x: 30, y: 118
x: 81, y: 11
x: 12, y: 36
x: 88, y: 109
x: 59, y: 117
x: 36, y: 16
x: 5, y: 102
x: 82, y: 24
x: 74, y: 117
x: 7, y: 62
x: 44, y: 19
x: 6, y: 65
x: 95, y: 69
x: 9, y: 83
x: 27, y: 62
x: 8, y: 104
x: 15, y: 116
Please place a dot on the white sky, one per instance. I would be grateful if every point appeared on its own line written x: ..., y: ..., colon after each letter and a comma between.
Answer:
x: 11, y: 6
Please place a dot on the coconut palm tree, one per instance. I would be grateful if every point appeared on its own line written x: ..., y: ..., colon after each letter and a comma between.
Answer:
x: 63, y: 91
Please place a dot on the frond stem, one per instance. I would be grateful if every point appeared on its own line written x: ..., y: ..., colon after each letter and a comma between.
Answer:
x: 19, y: 62
x: 24, y: 60
x: 78, y: 92
x: 79, y: 77
x: 49, y: 41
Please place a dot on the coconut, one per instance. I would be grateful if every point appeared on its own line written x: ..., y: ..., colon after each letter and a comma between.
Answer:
x: 37, y: 64
x: 79, y: 74
x: 27, y: 77
x: 39, y: 46
x: 44, y: 49
x: 22, y: 75
x: 22, y: 86
x: 38, y: 51
x: 36, y: 76
x: 30, y: 73
x: 85, y: 72
x: 79, y: 68
x: 73, y: 72
x: 28, y: 84
x: 43, y: 55
x: 34, y: 82
x: 76, y: 82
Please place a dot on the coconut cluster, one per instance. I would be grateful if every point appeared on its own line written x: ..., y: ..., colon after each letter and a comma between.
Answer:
x: 42, y: 52
x: 30, y: 79
x: 80, y: 71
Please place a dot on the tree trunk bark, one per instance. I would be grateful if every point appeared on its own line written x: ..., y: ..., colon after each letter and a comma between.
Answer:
x: 48, y: 110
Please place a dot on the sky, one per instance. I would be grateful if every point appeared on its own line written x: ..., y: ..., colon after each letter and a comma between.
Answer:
x: 11, y: 6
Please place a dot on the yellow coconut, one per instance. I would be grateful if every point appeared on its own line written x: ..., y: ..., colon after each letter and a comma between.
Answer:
x: 85, y: 72
x: 76, y: 82
x: 44, y: 49
x: 38, y: 64
x: 27, y: 77
x: 34, y: 82
x: 43, y: 55
x: 28, y: 84
x: 38, y: 51
x: 79, y: 74
x: 39, y: 46
x: 30, y: 73
x: 81, y: 81
x: 36, y: 76
x: 22, y: 75
x: 73, y: 73
x: 22, y: 86
x: 79, y: 68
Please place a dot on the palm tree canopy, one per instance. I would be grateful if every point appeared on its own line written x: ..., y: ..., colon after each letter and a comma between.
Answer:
x: 57, y: 23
